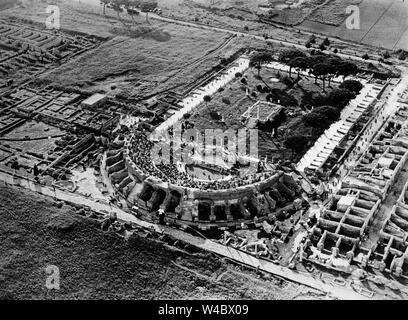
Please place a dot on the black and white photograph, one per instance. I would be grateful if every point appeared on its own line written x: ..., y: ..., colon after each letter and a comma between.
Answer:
x: 204, y: 158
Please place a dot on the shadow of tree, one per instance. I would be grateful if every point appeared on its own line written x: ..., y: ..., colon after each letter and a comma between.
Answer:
x: 142, y: 32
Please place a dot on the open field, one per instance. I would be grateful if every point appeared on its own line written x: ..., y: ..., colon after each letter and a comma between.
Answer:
x: 156, y: 57
x: 96, y: 265
x: 6, y: 4
x: 136, y: 60
x: 384, y: 23
x: 139, y: 67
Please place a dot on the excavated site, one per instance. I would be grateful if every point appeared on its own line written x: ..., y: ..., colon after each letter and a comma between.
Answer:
x: 260, y: 166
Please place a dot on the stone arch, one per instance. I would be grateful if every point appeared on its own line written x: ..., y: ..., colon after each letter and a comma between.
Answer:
x: 146, y: 193
x: 174, y: 201
x: 157, y: 199
x: 236, y: 211
x: 253, y: 207
x: 205, y: 210
x: 220, y: 212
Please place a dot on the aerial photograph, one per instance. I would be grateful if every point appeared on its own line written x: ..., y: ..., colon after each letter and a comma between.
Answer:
x: 222, y: 151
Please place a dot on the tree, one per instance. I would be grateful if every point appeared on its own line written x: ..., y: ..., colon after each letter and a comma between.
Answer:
x: 291, y: 54
x: 258, y: 59
x: 339, y: 98
x: 129, y: 6
x: 289, y: 57
x: 352, y: 85
x: 321, y: 70
x: 104, y: 3
x: 331, y: 113
x: 207, y: 99
x: 346, y: 69
x: 300, y: 63
x: 296, y: 143
x: 316, y: 121
x: 326, y: 42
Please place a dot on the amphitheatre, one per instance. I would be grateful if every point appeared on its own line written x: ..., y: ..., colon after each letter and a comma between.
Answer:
x: 254, y: 133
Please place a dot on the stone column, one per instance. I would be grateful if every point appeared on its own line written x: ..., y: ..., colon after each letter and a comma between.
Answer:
x: 166, y: 201
x: 228, y: 211
x: 213, y: 218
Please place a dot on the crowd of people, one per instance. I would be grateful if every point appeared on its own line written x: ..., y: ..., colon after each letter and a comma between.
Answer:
x: 140, y: 151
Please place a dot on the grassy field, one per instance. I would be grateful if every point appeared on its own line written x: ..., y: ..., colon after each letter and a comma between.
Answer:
x: 153, y: 58
x: 6, y: 4
x: 144, y: 60
x: 95, y: 265
x: 140, y: 67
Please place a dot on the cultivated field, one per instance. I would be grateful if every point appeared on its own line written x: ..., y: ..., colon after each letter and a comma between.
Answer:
x: 384, y: 23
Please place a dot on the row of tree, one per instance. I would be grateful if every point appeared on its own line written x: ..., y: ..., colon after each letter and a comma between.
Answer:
x: 321, y: 117
x: 321, y: 66
x: 129, y: 5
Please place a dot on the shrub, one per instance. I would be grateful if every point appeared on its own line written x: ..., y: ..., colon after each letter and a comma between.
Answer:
x: 402, y: 54
x: 312, y: 39
x: 287, y: 81
x: 366, y: 56
x: 322, y: 47
x: 296, y: 143
x: 226, y: 100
